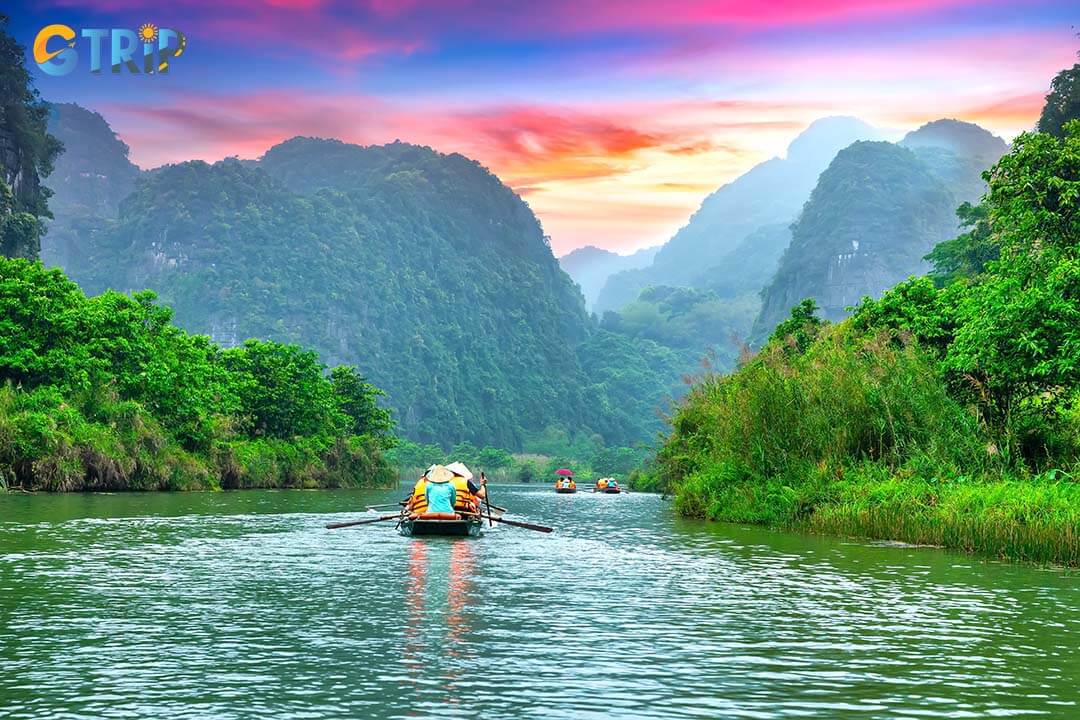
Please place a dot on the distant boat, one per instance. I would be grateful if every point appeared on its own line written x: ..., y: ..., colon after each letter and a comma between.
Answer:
x: 609, y: 486
x: 564, y: 481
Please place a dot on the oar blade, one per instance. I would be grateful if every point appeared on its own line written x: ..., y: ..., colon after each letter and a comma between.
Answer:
x: 335, y: 526
x: 524, y: 525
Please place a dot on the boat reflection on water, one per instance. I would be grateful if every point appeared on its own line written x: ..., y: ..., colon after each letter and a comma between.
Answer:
x: 439, y: 618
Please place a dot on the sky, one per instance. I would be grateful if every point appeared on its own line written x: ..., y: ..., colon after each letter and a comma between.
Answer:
x: 613, y: 120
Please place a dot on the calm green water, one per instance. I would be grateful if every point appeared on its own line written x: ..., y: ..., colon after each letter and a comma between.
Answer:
x: 242, y: 606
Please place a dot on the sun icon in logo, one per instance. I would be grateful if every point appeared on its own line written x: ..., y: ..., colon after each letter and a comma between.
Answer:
x: 148, y: 32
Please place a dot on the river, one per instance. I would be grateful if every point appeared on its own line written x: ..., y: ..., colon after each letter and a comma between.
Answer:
x: 242, y: 606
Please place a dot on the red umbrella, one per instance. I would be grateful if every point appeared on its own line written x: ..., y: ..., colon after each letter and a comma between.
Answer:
x: 563, y: 472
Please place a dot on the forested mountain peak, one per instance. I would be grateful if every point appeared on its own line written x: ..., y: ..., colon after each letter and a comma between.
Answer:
x: 452, y: 183
x: 876, y: 211
x: 306, y: 164
x: 586, y: 254
x: 91, y: 176
x: 963, y: 138
x: 92, y: 151
x: 421, y: 268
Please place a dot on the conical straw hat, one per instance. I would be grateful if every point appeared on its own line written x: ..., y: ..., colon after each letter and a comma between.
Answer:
x: 439, y: 474
x: 458, y: 468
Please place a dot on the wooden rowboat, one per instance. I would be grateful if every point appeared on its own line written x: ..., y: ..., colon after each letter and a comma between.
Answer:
x: 445, y: 524
x: 565, y: 490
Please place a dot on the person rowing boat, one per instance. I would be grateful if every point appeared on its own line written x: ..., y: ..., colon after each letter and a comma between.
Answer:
x: 444, y: 501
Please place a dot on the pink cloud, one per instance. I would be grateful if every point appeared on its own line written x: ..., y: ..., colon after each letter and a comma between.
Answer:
x: 634, y: 168
x: 608, y: 15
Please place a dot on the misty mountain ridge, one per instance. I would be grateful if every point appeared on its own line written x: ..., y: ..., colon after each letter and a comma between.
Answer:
x: 771, y: 192
x: 876, y: 211
x: 89, y: 179
x: 590, y: 267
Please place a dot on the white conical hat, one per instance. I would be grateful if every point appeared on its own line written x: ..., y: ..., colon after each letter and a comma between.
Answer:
x: 458, y: 468
x: 439, y: 474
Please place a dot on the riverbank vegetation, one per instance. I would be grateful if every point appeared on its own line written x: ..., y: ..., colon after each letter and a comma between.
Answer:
x: 105, y: 393
x: 945, y: 412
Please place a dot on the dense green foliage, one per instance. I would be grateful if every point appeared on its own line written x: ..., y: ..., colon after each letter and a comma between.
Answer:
x: 105, y: 393
x: 944, y: 412
x: 798, y: 331
x: 1063, y: 102
x: 419, y: 267
x: 27, y: 152
x: 968, y: 253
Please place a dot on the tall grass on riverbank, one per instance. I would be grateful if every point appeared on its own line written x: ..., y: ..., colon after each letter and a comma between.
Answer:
x: 857, y: 435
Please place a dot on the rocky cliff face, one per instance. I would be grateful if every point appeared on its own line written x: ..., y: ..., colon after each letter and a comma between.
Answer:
x: 90, y: 178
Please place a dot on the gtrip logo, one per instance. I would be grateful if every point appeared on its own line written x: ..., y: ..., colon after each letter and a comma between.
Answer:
x: 155, y: 47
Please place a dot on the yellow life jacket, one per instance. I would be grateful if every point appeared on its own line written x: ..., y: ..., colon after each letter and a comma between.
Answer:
x: 418, y: 500
x: 465, y: 501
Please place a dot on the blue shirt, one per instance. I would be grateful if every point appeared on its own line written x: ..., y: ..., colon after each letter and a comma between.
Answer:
x: 440, y: 497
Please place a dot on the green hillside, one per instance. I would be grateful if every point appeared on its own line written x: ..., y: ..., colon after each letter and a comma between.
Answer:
x: 422, y: 269
x: 876, y: 211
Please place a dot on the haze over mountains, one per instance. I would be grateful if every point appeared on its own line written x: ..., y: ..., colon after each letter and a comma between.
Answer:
x: 422, y: 269
x: 436, y: 280
x: 590, y: 267
x: 769, y: 193
x: 876, y: 211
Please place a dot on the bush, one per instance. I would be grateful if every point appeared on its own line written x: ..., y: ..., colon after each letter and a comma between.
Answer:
x: 105, y: 393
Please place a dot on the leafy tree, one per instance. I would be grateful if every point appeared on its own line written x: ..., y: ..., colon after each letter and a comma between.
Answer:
x: 490, y: 458
x: 411, y: 455
x: 618, y: 461
x: 969, y: 253
x: 1018, y: 330
x: 282, y: 390
x: 1062, y: 104
x: 30, y: 154
x: 1007, y: 336
x: 357, y: 399
x: 106, y: 393
x: 527, y: 472
x: 800, y: 329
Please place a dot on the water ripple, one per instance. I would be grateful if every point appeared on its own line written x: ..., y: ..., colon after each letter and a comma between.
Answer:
x: 241, y: 606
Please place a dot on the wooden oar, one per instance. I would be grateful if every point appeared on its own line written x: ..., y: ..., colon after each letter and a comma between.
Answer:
x: 515, y: 523
x: 335, y: 526
x: 487, y: 497
x: 386, y: 505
